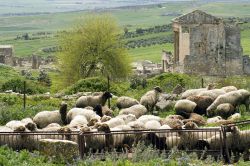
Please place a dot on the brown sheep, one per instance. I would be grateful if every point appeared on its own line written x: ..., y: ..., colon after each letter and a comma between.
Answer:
x: 196, y: 118
x: 203, y: 102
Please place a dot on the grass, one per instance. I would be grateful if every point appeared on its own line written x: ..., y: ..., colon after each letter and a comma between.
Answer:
x: 152, y: 53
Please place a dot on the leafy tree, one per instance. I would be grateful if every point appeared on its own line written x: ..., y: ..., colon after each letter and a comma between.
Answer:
x: 93, y: 48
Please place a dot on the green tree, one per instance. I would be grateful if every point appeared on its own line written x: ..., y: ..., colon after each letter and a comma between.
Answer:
x: 93, y: 48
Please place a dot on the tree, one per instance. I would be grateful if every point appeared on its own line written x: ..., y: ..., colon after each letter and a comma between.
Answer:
x: 93, y: 48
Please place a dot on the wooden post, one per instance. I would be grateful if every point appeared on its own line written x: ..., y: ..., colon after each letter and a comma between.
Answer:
x: 24, y: 95
x: 202, y: 82
x: 108, y: 90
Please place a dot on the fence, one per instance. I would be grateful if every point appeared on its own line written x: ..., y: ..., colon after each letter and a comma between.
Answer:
x: 221, y: 141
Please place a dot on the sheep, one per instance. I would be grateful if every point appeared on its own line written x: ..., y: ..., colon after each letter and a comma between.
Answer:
x: 184, y: 107
x: 203, y: 102
x: 192, y: 92
x: 173, y: 142
x: 114, y: 122
x: 137, y: 110
x: 235, y: 117
x: 173, y: 122
x: 92, y: 101
x: 105, y: 118
x: 229, y: 88
x: 214, y: 120
x: 127, y: 118
x: 224, y: 110
x: 89, y: 114
x: 234, y: 97
x: 12, y: 141
x: 126, y: 102
x: 29, y: 124
x: 78, y: 121
x: 150, y: 98
x: 16, y: 125
x: 136, y: 125
x: 102, y: 110
x: 146, y: 118
x: 152, y: 125
x: 213, y: 93
x: 42, y: 119
x: 196, y: 118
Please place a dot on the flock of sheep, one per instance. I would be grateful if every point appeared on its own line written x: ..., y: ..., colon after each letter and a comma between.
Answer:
x: 91, y: 115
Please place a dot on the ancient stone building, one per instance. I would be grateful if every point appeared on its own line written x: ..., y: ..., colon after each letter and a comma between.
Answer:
x: 6, y: 54
x: 207, y: 45
x: 167, y: 65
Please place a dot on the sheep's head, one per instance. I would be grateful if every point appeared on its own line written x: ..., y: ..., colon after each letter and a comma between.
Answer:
x: 106, y: 95
x: 85, y: 129
x: 103, y: 127
x: 92, y: 122
x: 210, y: 86
x: 64, y: 130
x: 158, y: 89
x: 190, y: 125
x: 31, y: 126
x: 98, y: 110
x: 19, y: 129
x: 105, y: 118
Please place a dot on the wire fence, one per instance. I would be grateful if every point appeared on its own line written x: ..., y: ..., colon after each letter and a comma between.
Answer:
x: 225, y: 141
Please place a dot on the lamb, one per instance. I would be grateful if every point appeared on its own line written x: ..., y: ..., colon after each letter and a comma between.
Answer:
x: 235, y: 117
x: 92, y: 101
x: 224, y: 110
x: 184, y: 107
x: 203, y: 102
x: 137, y: 110
x: 192, y: 92
x: 78, y: 122
x: 150, y: 98
x: 29, y: 124
x: 146, y: 118
x: 127, y: 118
x: 89, y: 114
x: 44, y: 118
x: 234, y: 97
x: 16, y: 125
x: 126, y: 102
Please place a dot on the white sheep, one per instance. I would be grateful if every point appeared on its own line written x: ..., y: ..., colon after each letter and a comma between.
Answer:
x: 229, y: 88
x: 192, y: 92
x: 127, y: 118
x: 146, y: 118
x: 12, y: 141
x: 29, y: 124
x: 78, y: 122
x: 184, y: 107
x: 234, y: 97
x: 137, y: 110
x: 152, y: 125
x: 213, y: 93
x: 150, y: 98
x: 235, y: 117
x: 126, y: 102
x: 214, y: 120
x: 136, y: 125
x: 93, y: 101
x: 16, y: 125
x: 115, y: 122
x: 224, y: 110
x: 89, y: 114
x: 105, y: 118
x: 44, y: 118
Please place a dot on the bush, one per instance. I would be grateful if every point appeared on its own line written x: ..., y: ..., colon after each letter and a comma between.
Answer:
x: 17, y: 85
x: 93, y: 84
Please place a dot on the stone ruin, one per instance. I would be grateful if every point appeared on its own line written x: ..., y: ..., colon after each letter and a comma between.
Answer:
x: 207, y: 45
x: 6, y: 54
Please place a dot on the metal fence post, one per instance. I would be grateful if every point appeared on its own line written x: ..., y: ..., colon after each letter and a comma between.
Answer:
x: 108, y: 90
x: 225, y: 146
x: 24, y: 95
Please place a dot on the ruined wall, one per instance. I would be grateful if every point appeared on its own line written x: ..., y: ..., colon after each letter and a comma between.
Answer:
x: 234, y: 59
x: 6, y: 55
x: 207, y: 50
x: 184, y: 47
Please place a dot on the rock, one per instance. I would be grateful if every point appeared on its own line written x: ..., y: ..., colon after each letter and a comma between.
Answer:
x: 59, y: 149
x: 165, y: 105
x: 178, y: 89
